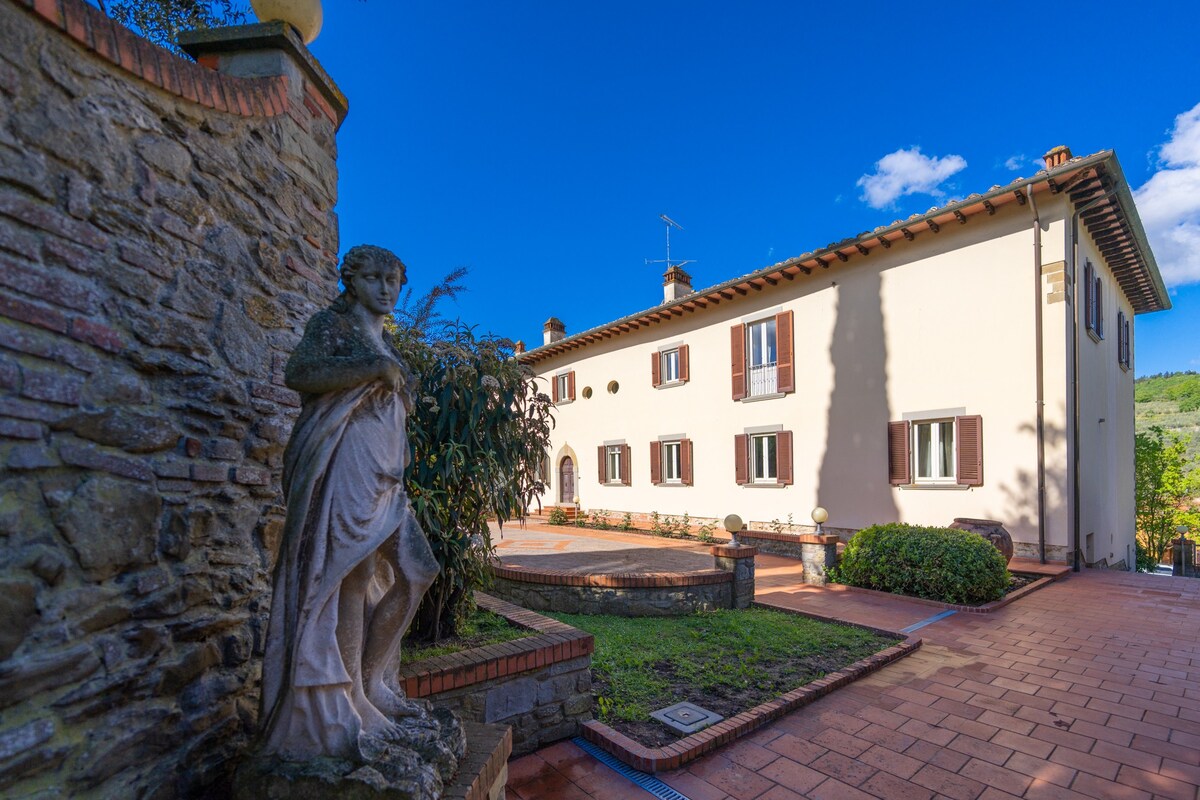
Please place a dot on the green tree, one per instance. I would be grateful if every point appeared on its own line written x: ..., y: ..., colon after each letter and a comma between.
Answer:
x: 161, y: 21
x: 1165, y: 484
x: 478, y: 432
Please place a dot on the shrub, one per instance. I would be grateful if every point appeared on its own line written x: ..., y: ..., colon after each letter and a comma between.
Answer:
x: 627, y: 521
x: 935, y: 563
x: 557, y: 516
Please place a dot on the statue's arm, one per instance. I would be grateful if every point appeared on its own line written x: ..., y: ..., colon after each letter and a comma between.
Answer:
x: 315, y: 369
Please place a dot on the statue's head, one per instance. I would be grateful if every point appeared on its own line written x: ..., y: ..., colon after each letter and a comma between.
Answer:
x: 359, y: 258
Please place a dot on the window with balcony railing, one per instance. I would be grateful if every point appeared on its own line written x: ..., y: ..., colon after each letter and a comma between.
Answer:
x: 762, y: 362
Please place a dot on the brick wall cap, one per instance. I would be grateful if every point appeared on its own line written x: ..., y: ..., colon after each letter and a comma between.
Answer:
x: 266, y: 36
x: 730, y: 551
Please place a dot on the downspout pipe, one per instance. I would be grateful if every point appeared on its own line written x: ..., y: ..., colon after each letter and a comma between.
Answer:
x: 1073, y: 340
x: 1039, y: 378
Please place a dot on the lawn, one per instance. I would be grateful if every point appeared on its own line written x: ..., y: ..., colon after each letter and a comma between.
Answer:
x: 481, y: 628
x: 724, y: 661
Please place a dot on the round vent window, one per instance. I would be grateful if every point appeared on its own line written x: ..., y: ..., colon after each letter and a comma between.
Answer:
x: 587, y: 393
x: 613, y: 387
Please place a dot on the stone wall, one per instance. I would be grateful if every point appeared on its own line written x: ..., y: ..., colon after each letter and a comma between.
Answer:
x: 165, y: 230
x: 659, y: 596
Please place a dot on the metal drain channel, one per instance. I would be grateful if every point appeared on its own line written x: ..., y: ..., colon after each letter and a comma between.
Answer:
x: 930, y: 621
x: 648, y: 782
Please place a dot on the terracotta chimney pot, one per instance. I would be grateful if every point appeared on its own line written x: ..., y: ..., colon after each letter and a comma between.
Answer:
x: 1057, y: 156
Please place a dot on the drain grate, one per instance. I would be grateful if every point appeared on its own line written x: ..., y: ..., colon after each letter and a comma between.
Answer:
x: 686, y: 717
x: 648, y: 782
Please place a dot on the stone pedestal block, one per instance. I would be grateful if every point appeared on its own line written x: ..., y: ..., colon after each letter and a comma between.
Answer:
x: 738, y: 559
x: 817, y: 553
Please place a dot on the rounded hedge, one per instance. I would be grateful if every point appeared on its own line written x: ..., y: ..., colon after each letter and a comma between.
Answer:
x: 943, y: 564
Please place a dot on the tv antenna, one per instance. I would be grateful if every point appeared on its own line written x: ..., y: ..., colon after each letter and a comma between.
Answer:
x: 670, y: 223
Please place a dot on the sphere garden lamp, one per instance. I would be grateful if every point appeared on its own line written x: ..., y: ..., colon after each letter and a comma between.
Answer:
x: 733, y: 523
x: 819, y: 516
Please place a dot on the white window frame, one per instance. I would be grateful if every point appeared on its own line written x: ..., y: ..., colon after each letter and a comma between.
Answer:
x: 612, y: 463
x: 671, y: 461
x: 671, y: 367
x: 564, y: 387
x: 762, y: 446
x: 935, y: 446
x: 763, y: 376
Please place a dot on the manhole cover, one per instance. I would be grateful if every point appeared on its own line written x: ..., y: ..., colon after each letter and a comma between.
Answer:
x: 686, y: 717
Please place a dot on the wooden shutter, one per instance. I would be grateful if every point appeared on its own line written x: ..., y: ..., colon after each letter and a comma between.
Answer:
x: 626, y: 463
x: 571, y: 385
x: 785, y: 358
x: 684, y: 374
x: 602, y: 457
x: 737, y: 358
x: 1089, y: 307
x: 1099, y: 290
x: 899, y: 455
x: 685, y: 461
x: 783, y: 457
x: 968, y: 434
x: 656, y: 369
x: 554, y: 388
x: 741, y: 458
x: 656, y: 463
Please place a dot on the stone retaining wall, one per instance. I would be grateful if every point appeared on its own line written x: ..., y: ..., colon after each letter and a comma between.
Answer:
x: 540, y: 685
x: 165, y: 231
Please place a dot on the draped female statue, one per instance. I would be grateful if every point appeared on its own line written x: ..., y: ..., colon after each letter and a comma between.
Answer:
x: 353, y: 562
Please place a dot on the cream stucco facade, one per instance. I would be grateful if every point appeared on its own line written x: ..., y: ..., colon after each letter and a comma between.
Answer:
x: 938, y: 323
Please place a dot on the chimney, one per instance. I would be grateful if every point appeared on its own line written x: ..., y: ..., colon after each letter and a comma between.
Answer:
x: 553, y: 330
x: 676, y: 284
x: 1057, y: 156
x: 519, y: 347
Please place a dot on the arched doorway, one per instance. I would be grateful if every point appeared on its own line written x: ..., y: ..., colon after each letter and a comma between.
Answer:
x: 566, y: 480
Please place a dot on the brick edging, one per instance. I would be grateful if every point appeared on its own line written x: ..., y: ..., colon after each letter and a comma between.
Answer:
x: 986, y: 608
x: 794, y: 538
x: 624, y: 580
x: 689, y: 748
x: 113, y: 42
x: 556, y: 641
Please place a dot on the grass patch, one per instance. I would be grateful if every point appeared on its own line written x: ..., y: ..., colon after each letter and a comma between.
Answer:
x: 479, y: 629
x: 725, y: 661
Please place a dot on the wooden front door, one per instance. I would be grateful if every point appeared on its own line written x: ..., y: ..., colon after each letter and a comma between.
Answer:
x: 566, y: 480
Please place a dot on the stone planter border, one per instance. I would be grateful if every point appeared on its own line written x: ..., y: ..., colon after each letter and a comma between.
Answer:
x: 689, y: 748
x: 986, y: 608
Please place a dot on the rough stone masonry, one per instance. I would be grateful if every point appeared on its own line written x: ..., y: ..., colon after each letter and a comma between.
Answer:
x: 165, y: 228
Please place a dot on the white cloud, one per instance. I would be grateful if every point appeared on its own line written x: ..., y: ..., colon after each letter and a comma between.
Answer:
x: 1014, y: 163
x: 1169, y: 203
x: 907, y: 172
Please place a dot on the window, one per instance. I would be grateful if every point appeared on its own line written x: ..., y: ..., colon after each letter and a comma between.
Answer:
x: 763, y: 458
x: 669, y: 366
x: 936, y: 451
x: 613, y: 462
x: 671, y: 462
x: 563, y: 387
x: 761, y: 354
x: 1093, y: 301
x: 1124, y: 350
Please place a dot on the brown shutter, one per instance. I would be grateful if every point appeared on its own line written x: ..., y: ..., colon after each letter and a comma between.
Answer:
x: 783, y: 458
x: 785, y: 360
x: 899, y: 456
x: 741, y: 458
x: 685, y: 461
x: 625, y: 464
x: 601, y: 455
x: 737, y: 357
x: 571, y: 385
x: 554, y: 388
x: 1099, y: 308
x: 968, y: 433
x: 656, y: 369
x: 1088, y: 288
x: 656, y: 463
x: 684, y: 374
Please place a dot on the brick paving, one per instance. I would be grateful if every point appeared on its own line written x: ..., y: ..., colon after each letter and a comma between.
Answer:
x: 1088, y: 688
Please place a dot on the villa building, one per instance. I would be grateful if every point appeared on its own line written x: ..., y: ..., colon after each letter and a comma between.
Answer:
x: 973, y: 361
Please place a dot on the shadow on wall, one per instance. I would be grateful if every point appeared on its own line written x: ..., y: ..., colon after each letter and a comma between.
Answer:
x: 853, y: 480
x: 1020, y: 511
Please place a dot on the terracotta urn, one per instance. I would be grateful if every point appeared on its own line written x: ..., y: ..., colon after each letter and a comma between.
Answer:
x: 303, y: 15
x: 990, y: 529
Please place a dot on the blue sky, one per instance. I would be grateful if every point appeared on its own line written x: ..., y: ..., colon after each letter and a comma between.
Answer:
x: 537, y: 143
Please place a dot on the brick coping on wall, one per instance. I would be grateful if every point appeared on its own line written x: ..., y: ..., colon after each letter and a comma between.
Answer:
x: 986, y: 608
x: 689, y: 748
x: 796, y: 538
x: 198, y: 82
x: 619, y: 580
x: 555, y: 641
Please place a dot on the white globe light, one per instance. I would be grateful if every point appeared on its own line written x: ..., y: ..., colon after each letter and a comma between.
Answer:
x: 820, y: 515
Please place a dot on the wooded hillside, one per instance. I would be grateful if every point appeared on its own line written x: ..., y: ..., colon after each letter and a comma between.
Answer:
x: 1170, y: 400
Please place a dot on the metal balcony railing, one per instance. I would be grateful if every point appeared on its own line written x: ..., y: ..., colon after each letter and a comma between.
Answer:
x: 764, y: 379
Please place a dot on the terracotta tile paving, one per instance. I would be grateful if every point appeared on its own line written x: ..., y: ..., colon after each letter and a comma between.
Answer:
x: 1088, y: 688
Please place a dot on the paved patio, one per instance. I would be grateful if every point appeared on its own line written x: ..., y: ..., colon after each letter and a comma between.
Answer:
x: 1089, y: 688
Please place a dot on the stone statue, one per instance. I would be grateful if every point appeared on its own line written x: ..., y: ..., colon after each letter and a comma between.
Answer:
x: 353, y: 562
